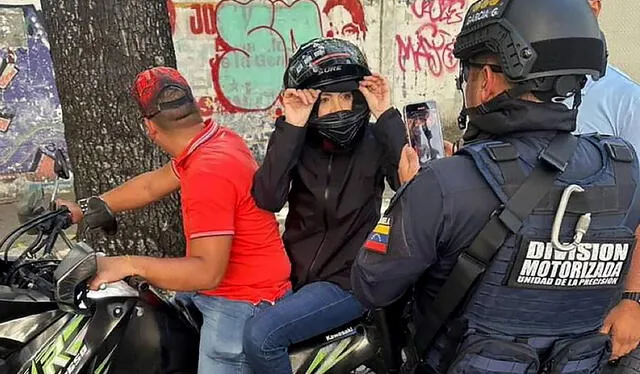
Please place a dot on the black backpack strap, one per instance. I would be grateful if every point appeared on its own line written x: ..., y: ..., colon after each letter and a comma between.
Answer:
x: 506, y: 156
x: 622, y: 158
x: 508, y: 219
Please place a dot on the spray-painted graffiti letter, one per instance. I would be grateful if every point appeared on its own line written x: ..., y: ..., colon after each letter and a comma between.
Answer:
x: 196, y: 20
x: 203, y: 19
x: 431, y: 46
x: 255, y: 39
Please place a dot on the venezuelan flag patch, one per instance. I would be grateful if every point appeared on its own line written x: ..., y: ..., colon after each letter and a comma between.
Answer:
x: 379, y: 239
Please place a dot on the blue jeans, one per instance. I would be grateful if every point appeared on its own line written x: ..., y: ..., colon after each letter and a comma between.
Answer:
x: 314, y: 309
x: 223, y: 325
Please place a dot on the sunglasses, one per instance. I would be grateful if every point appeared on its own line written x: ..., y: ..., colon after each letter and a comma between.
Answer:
x: 465, y: 67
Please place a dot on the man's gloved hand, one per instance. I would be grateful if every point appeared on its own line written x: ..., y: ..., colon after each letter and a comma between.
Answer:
x: 76, y: 212
x: 623, y: 324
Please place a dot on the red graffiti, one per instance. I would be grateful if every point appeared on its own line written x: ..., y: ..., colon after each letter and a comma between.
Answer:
x: 249, y: 52
x: 237, y: 60
x: 439, y: 11
x: 45, y: 168
x: 204, y: 19
x: 431, y: 47
x: 172, y: 15
x: 357, y: 25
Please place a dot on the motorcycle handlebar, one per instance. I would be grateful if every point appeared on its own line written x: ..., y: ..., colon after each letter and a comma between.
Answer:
x: 59, y: 219
x: 138, y: 283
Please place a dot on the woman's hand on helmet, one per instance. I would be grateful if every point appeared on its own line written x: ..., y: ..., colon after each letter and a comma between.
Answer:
x: 298, y: 105
x: 375, y: 89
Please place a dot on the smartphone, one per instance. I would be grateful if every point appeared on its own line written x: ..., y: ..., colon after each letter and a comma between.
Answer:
x: 424, y: 130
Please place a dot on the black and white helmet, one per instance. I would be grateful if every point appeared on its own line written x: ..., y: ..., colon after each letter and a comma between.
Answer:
x: 332, y: 65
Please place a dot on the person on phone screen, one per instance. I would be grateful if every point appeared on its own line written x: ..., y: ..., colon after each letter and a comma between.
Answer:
x: 422, y: 136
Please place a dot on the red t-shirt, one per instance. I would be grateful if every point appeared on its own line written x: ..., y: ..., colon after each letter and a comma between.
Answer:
x: 216, y: 173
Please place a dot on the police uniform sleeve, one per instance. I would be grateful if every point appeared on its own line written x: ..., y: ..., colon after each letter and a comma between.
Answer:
x: 391, y: 133
x: 403, y: 245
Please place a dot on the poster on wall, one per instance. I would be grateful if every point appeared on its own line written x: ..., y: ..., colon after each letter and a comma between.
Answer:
x: 5, y: 121
x: 8, y: 70
x: 30, y: 111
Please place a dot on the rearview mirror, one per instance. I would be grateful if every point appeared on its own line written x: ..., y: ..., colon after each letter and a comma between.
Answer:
x: 71, y: 278
x: 61, y: 166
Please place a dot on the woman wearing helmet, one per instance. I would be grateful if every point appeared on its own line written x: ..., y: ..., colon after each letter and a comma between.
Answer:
x: 330, y: 164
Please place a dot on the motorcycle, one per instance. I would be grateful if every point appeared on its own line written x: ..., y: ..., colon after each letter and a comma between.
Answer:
x: 51, y: 323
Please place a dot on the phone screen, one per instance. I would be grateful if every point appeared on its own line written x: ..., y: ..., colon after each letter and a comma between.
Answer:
x: 424, y: 130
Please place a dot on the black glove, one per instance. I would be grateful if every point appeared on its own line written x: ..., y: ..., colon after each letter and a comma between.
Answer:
x: 98, y: 215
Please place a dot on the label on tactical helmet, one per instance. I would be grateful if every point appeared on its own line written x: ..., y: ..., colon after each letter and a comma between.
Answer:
x: 485, y: 10
x: 591, y: 265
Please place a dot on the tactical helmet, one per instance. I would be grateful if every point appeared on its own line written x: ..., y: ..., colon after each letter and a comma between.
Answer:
x: 332, y: 65
x: 543, y: 46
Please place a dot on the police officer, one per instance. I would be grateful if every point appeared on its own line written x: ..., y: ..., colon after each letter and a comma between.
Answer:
x: 516, y: 247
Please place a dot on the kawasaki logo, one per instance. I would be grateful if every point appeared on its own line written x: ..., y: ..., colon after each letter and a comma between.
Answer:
x: 339, y: 334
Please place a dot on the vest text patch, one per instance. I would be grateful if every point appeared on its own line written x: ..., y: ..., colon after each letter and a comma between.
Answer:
x: 591, y: 265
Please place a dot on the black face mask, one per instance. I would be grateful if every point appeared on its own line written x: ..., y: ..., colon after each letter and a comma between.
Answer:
x: 504, y: 114
x: 343, y: 129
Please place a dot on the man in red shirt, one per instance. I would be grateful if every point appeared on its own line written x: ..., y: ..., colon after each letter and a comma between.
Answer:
x: 235, y: 258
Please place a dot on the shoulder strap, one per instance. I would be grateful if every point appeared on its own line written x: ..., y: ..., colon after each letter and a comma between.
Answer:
x: 508, y: 219
x: 498, y: 162
x: 622, y: 157
x: 506, y: 156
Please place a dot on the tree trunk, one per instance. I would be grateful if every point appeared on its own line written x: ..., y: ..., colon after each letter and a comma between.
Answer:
x: 98, y: 47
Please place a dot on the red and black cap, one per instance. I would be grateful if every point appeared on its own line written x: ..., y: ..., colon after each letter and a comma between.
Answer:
x: 152, y: 82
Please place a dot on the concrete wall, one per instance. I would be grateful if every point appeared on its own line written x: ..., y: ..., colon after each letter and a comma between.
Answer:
x: 234, y: 53
x: 619, y: 21
x: 30, y: 115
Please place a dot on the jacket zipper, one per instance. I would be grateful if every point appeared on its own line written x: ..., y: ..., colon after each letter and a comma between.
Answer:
x: 324, y: 216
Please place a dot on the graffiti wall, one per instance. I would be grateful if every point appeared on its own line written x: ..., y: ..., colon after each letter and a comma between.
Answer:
x: 421, y: 52
x: 428, y: 45
x: 30, y: 114
x: 234, y: 53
